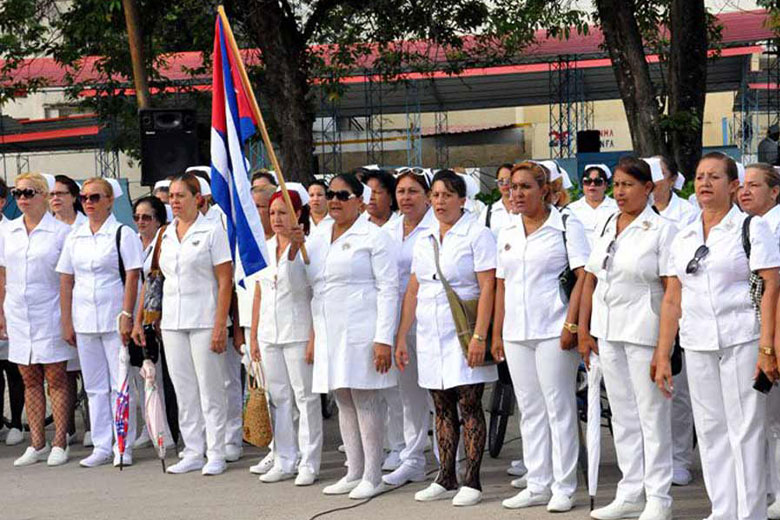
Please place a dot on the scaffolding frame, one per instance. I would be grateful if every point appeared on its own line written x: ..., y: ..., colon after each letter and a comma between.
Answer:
x: 330, y: 136
x: 772, y: 53
x: 257, y: 155
x: 568, y: 110
x: 442, y: 123
x: 375, y: 149
x: 413, y: 124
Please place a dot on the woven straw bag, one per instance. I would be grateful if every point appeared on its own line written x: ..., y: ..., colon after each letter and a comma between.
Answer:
x: 257, y: 419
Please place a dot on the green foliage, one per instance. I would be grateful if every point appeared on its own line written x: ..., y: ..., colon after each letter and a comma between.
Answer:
x: 489, y: 197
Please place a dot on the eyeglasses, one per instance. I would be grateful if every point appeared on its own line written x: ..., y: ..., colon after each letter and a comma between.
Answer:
x: 24, y: 193
x: 700, y: 253
x: 94, y: 198
x: 610, y: 253
x: 342, y: 195
x: 598, y: 181
x: 53, y: 194
x: 503, y: 183
x: 140, y: 217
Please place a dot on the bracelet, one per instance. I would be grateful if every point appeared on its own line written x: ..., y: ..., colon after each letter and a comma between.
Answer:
x: 571, y: 327
x: 769, y: 351
x: 479, y: 338
x: 126, y: 314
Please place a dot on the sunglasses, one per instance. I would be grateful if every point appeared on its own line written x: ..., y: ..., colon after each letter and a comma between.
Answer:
x: 598, y: 181
x: 503, y: 182
x: 139, y: 217
x: 94, y: 198
x: 342, y: 195
x: 610, y: 252
x: 695, y: 262
x: 24, y: 193
x: 58, y: 193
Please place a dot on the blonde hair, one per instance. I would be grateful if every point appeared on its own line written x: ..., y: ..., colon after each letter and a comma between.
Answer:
x: 108, y: 191
x: 37, y: 180
x: 540, y: 174
x: 556, y: 189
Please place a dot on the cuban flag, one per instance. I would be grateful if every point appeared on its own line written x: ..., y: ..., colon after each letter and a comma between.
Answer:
x: 232, y: 124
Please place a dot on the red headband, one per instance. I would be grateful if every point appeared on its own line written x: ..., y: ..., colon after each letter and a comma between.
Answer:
x: 294, y: 198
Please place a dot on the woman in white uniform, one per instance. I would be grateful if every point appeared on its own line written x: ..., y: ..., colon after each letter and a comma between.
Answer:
x: 498, y: 214
x: 535, y: 328
x: 382, y: 205
x: 29, y: 294
x: 99, y: 274
x: 759, y: 197
x: 196, y: 262
x: 280, y: 337
x: 456, y: 381
x: 709, y: 295
x: 595, y: 207
x: 411, y: 191
x: 9, y: 371
x: 626, y: 275
x: 317, y: 203
x: 354, y: 276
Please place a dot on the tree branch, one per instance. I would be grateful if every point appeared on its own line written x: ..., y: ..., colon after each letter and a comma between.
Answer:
x: 320, y: 9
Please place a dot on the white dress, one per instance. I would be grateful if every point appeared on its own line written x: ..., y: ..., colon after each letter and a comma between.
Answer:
x: 468, y: 248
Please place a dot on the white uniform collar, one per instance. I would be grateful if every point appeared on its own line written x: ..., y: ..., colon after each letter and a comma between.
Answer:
x: 84, y: 230
x: 47, y: 223
x: 728, y: 222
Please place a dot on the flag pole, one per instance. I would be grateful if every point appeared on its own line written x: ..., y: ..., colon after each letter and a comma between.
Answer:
x: 260, y: 121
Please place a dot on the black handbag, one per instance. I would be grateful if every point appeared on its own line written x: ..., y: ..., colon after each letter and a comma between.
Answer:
x: 151, y: 351
x: 567, y: 280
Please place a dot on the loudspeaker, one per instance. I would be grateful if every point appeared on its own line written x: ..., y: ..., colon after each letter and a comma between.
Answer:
x: 588, y: 141
x: 169, y: 142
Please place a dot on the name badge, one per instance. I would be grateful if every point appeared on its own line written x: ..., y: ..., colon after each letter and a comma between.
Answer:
x: 346, y: 246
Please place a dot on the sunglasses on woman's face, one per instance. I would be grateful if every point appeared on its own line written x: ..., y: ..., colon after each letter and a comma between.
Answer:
x: 695, y: 262
x: 140, y: 217
x: 598, y: 181
x: 24, y: 193
x: 342, y: 195
x: 503, y: 182
x: 94, y: 198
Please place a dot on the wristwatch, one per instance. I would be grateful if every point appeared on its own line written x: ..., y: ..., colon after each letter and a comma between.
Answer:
x: 126, y: 314
x: 571, y: 327
x: 769, y: 351
x: 479, y: 338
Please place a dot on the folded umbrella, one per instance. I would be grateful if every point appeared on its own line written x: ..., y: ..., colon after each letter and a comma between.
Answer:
x: 594, y: 426
x: 154, y: 410
x: 122, y: 409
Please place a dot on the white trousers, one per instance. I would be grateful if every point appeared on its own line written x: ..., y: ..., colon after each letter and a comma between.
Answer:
x: 99, y: 356
x: 140, y: 398
x: 288, y: 379
x: 416, y: 410
x: 641, y: 422
x: 234, y: 426
x: 682, y: 421
x: 394, y: 420
x: 730, y: 425
x: 544, y: 378
x: 198, y: 376
x: 772, y: 436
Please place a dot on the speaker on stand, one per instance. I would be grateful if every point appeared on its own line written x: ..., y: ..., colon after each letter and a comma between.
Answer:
x: 588, y: 141
x: 169, y: 142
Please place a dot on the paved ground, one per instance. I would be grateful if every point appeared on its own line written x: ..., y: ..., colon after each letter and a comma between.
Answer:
x: 143, y: 491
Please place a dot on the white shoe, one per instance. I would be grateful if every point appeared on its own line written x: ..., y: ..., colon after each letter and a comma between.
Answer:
x: 342, y: 448
x: 619, y: 509
x: 96, y: 459
x: 527, y: 498
x: 15, y: 436
x: 656, y: 510
x: 434, y: 492
x: 214, y: 467
x: 773, y: 513
x: 681, y: 477
x: 342, y: 487
x: 392, y: 461
x: 264, y: 466
x: 233, y: 452
x: 519, y: 483
x: 306, y: 477
x: 560, y: 503
x: 31, y: 456
x: 276, y: 475
x: 143, y: 441
x: 186, y: 465
x: 467, y: 496
x: 87, y: 441
x: 405, y: 473
x: 58, y: 456
x: 126, y: 460
x: 517, y: 468
x: 366, y: 490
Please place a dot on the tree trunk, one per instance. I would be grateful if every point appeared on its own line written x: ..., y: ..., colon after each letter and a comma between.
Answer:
x: 624, y: 43
x: 687, y: 81
x: 135, y: 42
x: 285, y: 87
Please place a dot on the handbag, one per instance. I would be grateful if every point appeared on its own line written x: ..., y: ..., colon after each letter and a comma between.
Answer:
x: 756, y: 282
x: 151, y: 351
x: 257, y: 418
x: 153, y: 285
x: 464, y: 314
x: 566, y: 280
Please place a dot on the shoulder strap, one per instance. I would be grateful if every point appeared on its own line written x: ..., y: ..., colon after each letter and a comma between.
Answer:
x: 122, y: 273
x: 489, y: 214
x: 156, y: 252
x: 746, y: 235
x: 564, y: 218
x: 444, y: 282
x: 604, y: 229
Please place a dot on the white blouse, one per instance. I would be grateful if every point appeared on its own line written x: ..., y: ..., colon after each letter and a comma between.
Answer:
x: 716, y: 309
x: 92, y: 260
x: 32, y: 291
x: 499, y: 217
x: 627, y: 300
x: 405, y: 246
x: 593, y: 218
x: 468, y: 248
x: 285, y: 299
x: 534, y: 303
x: 4, y: 223
x: 680, y: 211
x: 190, y: 288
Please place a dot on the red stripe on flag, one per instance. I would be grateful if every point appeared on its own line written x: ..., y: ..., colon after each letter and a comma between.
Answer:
x: 218, y: 121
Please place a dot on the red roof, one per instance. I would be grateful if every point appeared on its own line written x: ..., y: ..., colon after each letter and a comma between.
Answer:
x: 738, y: 28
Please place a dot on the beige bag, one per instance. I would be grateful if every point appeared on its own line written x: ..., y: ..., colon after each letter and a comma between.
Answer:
x: 258, y: 430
